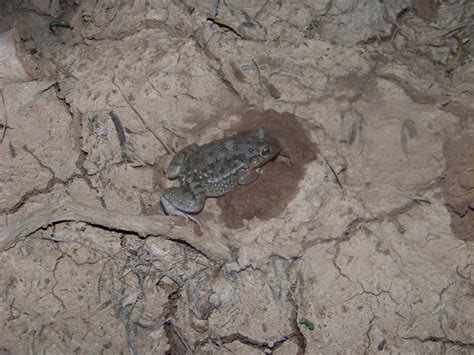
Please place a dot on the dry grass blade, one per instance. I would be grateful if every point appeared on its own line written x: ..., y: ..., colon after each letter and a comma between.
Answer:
x: 335, y: 175
x: 260, y: 106
x: 5, y: 121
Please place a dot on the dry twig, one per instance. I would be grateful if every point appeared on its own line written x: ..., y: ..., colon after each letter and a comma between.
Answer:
x: 163, y: 226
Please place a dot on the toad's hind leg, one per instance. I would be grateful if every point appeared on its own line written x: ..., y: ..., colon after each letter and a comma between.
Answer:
x: 178, y: 164
x: 179, y: 202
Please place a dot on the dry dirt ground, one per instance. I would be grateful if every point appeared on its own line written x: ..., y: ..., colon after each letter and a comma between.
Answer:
x: 358, y: 237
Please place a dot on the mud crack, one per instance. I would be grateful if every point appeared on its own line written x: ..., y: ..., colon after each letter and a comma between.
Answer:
x: 466, y: 345
x: 53, y: 181
x: 262, y: 346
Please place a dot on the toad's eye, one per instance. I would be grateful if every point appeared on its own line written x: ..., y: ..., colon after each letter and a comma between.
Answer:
x: 266, y: 150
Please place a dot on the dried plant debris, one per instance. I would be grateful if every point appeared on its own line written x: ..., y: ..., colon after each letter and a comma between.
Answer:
x: 408, y: 131
x: 307, y: 323
x: 238, y: 74
x: 58, y: 22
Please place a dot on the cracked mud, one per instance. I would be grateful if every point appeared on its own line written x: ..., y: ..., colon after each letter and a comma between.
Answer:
x: 363, y: 225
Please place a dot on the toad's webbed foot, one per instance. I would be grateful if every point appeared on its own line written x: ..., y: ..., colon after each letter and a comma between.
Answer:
x: 181, y: 202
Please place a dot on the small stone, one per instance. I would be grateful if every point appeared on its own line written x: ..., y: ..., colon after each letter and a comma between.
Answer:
x: 200, y: 325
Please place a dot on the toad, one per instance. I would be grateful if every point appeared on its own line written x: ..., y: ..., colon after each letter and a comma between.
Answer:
x: 215, y: 168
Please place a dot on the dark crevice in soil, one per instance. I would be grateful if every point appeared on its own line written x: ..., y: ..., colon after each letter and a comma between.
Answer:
x: 30, y: 194
x: 227, y: 339
x: 351, y: 229
x: 80, y: 164
x: 297, y: 334
x: 178, y: 345
x: 78, y: 146
x: 434, y: 339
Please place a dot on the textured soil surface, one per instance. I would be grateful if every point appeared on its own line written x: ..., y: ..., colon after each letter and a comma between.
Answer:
x: 358, y: 237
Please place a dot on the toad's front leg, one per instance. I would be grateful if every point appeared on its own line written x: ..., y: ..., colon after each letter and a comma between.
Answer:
x: 178, y: 201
